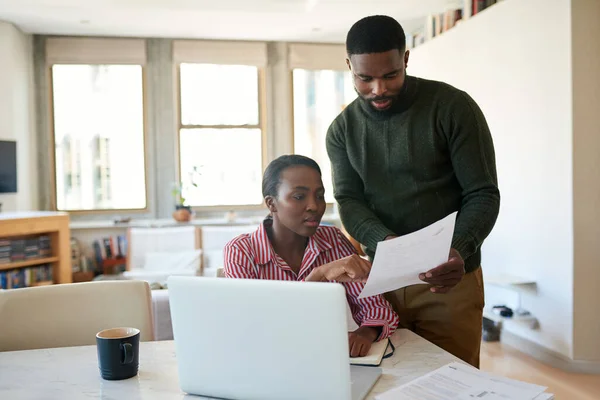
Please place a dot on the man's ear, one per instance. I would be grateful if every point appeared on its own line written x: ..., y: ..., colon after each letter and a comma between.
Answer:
x: 348, y: 64
x: 406, y: 56
x: 270, y: 202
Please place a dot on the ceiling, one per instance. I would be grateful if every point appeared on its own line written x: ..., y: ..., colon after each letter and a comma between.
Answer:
x: 271, y: 20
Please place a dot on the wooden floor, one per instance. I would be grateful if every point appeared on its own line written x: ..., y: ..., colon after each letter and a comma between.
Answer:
x: 506, y: 361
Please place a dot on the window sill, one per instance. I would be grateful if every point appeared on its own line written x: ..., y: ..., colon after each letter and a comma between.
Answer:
x: 329, y: 218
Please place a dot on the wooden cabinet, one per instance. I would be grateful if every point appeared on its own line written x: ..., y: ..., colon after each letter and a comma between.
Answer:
x: 24, y: 229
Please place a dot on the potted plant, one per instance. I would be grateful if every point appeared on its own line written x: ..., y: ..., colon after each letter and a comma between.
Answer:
x: 183, y: 211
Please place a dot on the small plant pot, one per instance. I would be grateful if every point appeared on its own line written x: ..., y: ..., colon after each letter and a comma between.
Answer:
x: 182, y: 213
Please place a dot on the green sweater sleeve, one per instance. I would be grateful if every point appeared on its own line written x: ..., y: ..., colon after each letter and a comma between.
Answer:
x: 473, y: 160
x: 358, y: 219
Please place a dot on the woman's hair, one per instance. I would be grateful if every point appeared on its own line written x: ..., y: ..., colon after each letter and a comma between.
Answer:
x: 272, y: 175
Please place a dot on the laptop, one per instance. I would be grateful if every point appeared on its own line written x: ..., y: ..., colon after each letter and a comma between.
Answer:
x: 260, y: 339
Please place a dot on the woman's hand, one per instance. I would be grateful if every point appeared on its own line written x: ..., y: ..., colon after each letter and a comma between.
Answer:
x: 348, y: 269
x: 360, y: 340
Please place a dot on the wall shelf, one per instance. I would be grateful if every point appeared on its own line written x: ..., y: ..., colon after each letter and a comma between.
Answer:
x: 528, y: 320
x: 518, y: 284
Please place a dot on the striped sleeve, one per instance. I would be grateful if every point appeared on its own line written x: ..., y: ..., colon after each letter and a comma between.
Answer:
x: 373, y: 311
x: 237, y: 260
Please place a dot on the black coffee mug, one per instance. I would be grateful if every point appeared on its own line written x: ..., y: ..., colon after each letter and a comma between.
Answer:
x: 118, y: 353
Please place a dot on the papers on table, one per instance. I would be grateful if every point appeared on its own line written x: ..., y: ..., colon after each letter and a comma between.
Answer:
x: 398, y: 262
x: 457, y: 381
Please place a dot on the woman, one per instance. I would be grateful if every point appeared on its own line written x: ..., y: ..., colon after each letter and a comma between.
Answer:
x: 291, y: 245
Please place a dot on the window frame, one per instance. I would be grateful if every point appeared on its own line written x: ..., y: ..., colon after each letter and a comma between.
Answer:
x: 293, y: 112
x: 262, y: 125
x: 52, y: 148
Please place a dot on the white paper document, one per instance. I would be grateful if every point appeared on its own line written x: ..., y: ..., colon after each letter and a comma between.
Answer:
x: 457, y: 381
x: 398, y: 262
x: 544, y: 396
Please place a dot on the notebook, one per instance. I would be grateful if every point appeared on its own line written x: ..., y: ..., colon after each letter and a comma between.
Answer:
x: 379, y: 351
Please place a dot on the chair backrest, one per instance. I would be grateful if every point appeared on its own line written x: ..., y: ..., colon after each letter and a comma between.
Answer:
x: 158, y: 241
x: 357, y: 246
x: 214, y: 239
x: 71, y: 314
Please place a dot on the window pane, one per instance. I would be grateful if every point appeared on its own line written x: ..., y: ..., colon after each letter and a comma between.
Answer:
x: 229, y: 162
x: 99, y: 137
x: 319, y: 96
x: 219, y: 94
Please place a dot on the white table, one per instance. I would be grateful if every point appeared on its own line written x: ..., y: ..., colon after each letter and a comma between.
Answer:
x: 72, y: 372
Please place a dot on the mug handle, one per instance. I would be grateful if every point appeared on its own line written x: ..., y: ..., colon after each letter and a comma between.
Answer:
x: 127, y: 353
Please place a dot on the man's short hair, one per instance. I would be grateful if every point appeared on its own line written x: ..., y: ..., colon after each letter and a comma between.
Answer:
x: 375, y: 34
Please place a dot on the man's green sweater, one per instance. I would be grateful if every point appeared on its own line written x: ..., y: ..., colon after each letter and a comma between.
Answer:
x: 397, y: 171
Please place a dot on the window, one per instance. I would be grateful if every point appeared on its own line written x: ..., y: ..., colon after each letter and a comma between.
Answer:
x: 319, y: 96
x: 99, y: 137
x: 220, y: 137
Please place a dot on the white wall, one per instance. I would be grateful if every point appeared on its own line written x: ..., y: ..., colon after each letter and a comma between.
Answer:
x: 586, y: 185
x: 17, y: 114
x: 515, y: 60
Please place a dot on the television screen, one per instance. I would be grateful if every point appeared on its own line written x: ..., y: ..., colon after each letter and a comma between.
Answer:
x: 8, y: 166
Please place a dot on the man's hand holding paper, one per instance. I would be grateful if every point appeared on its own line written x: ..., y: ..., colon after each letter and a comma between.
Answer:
x: 444, y: 277
x: 420, y: 257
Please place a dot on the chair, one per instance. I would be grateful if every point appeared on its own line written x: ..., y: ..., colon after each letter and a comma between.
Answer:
x: 214, y: 239
x: 64, y: 315
x: 357, y: 246
x: 154, y: 253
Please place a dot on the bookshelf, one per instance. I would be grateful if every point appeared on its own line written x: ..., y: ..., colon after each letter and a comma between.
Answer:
x: 454, y: 13
x: 34, y: 249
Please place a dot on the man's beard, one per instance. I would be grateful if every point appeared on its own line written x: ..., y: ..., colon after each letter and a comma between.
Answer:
x: 369, y: 100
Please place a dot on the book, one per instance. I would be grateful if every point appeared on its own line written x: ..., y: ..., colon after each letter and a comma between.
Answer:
x: 379, y: 350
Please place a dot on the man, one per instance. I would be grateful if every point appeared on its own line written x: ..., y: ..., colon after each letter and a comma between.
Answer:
x: 406, y: 153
